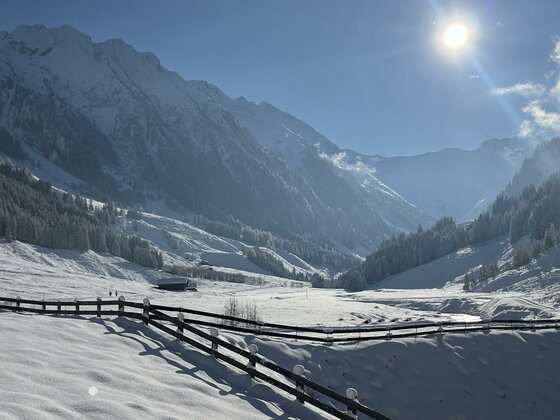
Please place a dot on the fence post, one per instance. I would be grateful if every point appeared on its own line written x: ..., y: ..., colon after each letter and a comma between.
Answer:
x: 329, y: 337
x: 252, y: 365
x: 440, y: 328
x: 146, y: 311
x: 352, y: 394
x: 58, y: 306
x: 214, y: 333
x: 98, y: 307
x: 77, y: 302
x: 181, y: 319
x: 121, y: 305
x: 389, y: 334
x: 44, y: 306
x: 299, y: 370
x: 18, y: 302
x: 486, y: 326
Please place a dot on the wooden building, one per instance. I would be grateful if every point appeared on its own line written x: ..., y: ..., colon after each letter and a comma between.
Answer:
x: 180, y: 284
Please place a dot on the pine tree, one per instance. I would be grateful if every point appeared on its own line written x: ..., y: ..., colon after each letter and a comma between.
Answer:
x: 467, y: 283
x: 550, y: 236
x: 11, y: 229
x: 521, y: 258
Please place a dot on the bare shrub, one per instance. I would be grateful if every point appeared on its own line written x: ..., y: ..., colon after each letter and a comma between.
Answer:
x: 246, y: 310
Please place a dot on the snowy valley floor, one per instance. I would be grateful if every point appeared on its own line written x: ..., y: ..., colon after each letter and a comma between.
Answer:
x: 110, y: 368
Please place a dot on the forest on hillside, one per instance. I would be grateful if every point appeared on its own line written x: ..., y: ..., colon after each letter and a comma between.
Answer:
x: 544, y: 162
x: 31, y: 211
x: 534, y: 212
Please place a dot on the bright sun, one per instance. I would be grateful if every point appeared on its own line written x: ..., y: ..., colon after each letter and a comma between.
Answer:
x: 456, y: 36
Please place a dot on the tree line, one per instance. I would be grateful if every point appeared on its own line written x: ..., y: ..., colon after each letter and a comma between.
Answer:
x: 531, y: 213
x: 318, y: 255
x: 269, y: 262
x: 522, y: 257
x: 31, y: 211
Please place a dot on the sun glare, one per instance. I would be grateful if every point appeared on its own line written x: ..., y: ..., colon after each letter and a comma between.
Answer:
x: 456, y: 36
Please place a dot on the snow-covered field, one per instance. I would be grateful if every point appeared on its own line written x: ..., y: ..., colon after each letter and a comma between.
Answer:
x: 51, y: 366
x: 113, y: 368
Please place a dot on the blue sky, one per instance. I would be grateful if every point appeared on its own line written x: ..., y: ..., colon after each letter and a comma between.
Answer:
x: 371, y: 75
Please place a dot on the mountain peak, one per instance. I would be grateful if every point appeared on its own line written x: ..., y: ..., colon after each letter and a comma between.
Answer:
x: 121, y: 102
x: 41, y: 37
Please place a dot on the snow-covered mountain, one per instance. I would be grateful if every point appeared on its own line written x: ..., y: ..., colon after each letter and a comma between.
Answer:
x: 312, y: 155
x: 124, y: 127
x: 453, y: 182
x: 544, y: 162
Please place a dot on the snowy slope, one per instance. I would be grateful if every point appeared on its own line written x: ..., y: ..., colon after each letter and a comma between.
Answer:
x: 117, y: 368
x: 528, y: 292
x: 450, y: 182
x: 301, y: 146
x: 475, y: 376
x: 113, y: 368
x: 188, y: 245
x: 454, y: 182
x: 541, y: 278
x: 126, y: 127
x: 437, y: 273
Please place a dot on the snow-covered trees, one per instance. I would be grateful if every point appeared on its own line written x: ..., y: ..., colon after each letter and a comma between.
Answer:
x: 468, y: 282
x: 534, y: 213
x: 402, y: 252
x: 268, y: 261
x: 30, y: 211
x: 521, y: 258
x: 551, y: 236
x: 319, y: 255
x: 485, y: 272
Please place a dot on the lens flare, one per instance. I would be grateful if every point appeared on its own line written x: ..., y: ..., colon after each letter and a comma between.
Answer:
x: 456, y: 36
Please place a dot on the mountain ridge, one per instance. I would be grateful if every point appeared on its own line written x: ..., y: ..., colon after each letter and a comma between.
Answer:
x: 174, y: 141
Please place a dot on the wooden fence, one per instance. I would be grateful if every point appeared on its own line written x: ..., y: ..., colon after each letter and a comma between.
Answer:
x: 366, y: 332
x: 251, y: 361
x: 247, y: 360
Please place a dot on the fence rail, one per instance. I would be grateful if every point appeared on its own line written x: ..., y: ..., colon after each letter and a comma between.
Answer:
x: 364, y: 333
x: 155, y: 316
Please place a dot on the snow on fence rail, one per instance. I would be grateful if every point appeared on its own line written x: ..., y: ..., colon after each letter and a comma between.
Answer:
x: 345, y: 334
x: 154, y: 315
x: 336, y: 334
x: 281, y: 330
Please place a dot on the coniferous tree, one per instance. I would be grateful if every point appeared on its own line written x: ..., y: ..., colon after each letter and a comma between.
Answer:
x: 467, y: 283
x: 530, y: 214
x: 550, y: 236
x: 30, y: 211
x: 521, y: 258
